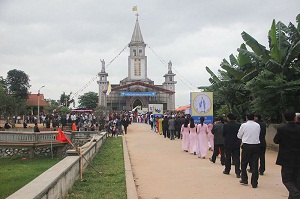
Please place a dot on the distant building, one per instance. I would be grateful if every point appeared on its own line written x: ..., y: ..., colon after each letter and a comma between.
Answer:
x: 32, y: 103
x: 137, y: 89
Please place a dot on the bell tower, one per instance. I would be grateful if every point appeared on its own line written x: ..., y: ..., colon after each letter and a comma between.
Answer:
x: 103, y: 85
x: 169, y: 84
x: 137, y: 61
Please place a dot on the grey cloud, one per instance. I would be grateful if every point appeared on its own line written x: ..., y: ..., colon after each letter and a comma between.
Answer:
x: 59, y: 43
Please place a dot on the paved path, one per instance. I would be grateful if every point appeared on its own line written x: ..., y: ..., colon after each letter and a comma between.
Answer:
x: 162, y: 171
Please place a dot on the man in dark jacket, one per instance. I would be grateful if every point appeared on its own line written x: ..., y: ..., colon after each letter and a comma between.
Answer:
x: 36, y: 128
x: 217, y: 131
x: 6, y: 125
x: 165, y: 127
x: 263, y: 144
x: 171, y: 124
x: 288, y: 138
x: 125, y: 123
x: 232, y: 145
x: 177, y: 127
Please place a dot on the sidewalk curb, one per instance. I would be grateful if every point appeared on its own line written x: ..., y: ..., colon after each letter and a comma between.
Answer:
x: 130, y: 185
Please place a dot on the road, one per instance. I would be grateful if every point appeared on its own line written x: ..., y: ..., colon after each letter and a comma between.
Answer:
x: 163, y: 171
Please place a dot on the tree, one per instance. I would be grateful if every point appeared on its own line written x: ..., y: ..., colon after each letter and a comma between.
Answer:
x: 269, y: 79
x: 64, y: 110
x: 277, y: 86
x: 88, y: 100
x: 16, y: 86
x: 53, y: 105
x: 229, y: 87
x: 65, y: 100
x: 17, y: 83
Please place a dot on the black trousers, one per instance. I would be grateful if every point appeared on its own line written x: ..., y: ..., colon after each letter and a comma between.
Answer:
x: 218, y: 148
x: 165, y: 130
x: 125, y: 129
x: 250, y: 152
x: 234, y: 154
x: 291, y: 180
x: 172, y: 132
x: 178, y: 133
x: 262, y: 160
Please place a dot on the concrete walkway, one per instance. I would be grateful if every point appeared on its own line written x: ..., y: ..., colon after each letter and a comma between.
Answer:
x: 161, y: 170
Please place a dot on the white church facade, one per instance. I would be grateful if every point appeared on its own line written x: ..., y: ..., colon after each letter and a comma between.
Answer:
x: 137, y: 89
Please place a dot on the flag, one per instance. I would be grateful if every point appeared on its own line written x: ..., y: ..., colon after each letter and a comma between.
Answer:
x: 61, y: 137
x: 134, y: 8
x: 135, y: 108
x: 108, y: 89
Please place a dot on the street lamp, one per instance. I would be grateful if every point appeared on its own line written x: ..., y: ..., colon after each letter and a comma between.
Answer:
x: 38, y: 117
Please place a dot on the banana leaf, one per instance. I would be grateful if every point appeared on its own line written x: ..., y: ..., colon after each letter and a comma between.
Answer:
x: 233, y: 60
x: 243, y: 59
x: 275, y: 52
x: 274, y: 66
x: 293, y: 54
x: 257, y: 48
x: 212, y: 74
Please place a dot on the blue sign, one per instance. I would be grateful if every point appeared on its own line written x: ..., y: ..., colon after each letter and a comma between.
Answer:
x: 150, y: 94
x: 207, y: 119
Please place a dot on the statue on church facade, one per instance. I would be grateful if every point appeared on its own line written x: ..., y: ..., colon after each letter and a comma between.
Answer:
x: 103, y: 65
x: 170, y: 67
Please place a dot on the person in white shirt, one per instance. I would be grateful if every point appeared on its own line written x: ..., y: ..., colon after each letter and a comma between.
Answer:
x: 249, y: 134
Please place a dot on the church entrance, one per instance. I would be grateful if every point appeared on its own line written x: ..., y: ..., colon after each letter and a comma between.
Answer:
x: 137, y: 102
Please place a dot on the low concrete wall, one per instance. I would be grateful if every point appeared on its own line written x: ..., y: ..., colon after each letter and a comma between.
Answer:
x: 56, y: 181
x: 271, y: 132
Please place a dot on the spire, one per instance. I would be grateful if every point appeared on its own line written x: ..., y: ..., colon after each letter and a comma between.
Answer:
x: 137, y: 34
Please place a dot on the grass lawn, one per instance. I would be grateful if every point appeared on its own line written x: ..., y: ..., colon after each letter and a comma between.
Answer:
x: 111, y: 183
x: 15, y: 172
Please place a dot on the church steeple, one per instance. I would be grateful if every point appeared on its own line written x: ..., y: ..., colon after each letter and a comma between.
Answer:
x: 137, y: 34
x: 137, y: 60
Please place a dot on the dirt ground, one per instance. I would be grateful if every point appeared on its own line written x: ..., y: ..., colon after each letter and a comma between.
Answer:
x: 163, y: 171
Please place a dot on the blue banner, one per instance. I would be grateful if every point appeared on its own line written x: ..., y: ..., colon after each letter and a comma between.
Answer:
x: 207, y: 119
x: 150, y: 94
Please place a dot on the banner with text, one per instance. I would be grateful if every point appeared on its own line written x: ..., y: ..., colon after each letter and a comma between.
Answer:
x: 132, y: 94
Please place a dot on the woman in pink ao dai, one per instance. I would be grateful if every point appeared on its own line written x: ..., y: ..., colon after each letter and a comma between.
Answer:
x: 202, y: 130
x: 210, y: 137
x: 193, y: 136
x: 185, y: 131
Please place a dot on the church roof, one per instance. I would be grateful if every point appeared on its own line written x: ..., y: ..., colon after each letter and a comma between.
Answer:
x: 137, y: 34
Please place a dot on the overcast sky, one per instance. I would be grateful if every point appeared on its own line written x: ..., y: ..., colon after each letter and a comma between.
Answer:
x: 59, y: 43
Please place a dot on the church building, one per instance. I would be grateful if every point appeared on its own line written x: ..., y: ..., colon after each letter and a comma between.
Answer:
x: 137, y: 89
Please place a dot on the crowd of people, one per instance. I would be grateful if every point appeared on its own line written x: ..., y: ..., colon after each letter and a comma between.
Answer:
x: 224, y: 138
x: 84, y: 121
x: 241, y: 145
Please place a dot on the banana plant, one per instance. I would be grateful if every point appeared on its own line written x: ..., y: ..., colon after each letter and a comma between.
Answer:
x: 277, y: 85
x: 268, y: 78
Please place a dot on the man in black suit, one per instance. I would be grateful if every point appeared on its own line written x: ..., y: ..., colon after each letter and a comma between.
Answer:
x: 165, y: 127
x: 232, y: 144
x: 217, y: 131
x: 263, y: 144
x: 288, y: 138
x: 125, y: 123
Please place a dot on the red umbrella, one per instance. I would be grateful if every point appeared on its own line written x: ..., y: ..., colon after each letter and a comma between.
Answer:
x: 182, y: 108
